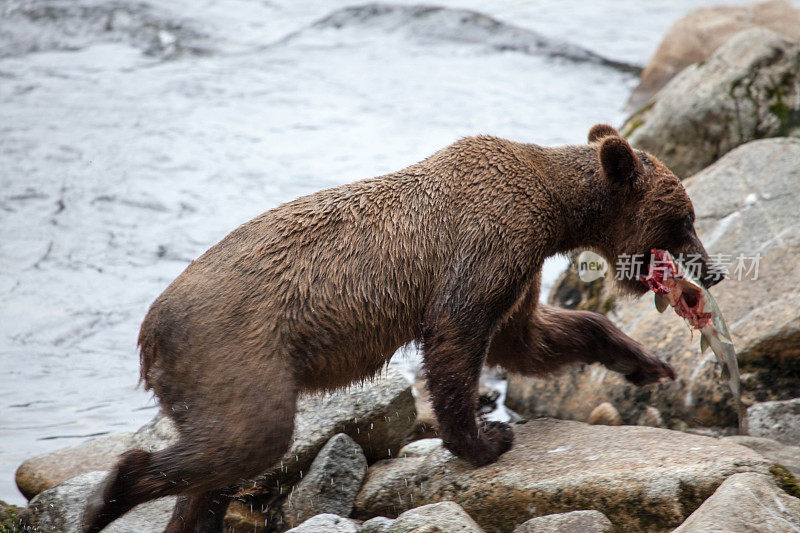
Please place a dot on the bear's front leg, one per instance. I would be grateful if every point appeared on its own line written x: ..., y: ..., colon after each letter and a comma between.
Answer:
x: 540, y: 339
x: 454, y: 346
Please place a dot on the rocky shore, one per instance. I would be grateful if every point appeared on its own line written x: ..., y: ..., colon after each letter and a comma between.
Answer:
x: 595, y: 453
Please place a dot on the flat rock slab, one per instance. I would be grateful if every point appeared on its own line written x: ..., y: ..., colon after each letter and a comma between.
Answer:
x: 746, y: 503
x: 641, y: 478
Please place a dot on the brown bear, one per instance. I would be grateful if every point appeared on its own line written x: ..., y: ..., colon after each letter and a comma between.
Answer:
x: 321, y: 291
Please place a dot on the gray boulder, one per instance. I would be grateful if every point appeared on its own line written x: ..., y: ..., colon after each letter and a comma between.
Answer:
x: 745, y: 503
x: 443, y: 517
x: 60, y: 509
x: 775, y: 420
x: 746, y: 204
x: 327, y: 523
x: 331, y: 484
x: 641, y: 478
x: 574, y: 522
x: 749, y: 89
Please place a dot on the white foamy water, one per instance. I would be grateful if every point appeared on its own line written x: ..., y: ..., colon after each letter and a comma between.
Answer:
x: 134, y: 135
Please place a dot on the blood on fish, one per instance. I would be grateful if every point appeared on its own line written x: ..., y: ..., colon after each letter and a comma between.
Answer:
x: 663, y: 278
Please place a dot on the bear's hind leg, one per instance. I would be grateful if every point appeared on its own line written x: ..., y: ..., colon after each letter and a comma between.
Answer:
x: 224, y: 440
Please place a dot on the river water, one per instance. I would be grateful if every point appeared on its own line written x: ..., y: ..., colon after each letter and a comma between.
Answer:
x: 136, y: 134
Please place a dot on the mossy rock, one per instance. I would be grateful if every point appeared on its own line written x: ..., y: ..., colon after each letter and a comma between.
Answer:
x: 9, y: 518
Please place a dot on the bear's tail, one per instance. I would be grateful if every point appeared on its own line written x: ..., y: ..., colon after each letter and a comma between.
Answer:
x: 148, y: 348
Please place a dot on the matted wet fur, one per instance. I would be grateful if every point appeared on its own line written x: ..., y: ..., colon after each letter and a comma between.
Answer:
x: 320, y: 292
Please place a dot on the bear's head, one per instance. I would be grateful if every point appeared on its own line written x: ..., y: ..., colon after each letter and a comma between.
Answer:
x: 648, y: 208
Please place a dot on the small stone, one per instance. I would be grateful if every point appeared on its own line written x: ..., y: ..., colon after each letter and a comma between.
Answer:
x: 444, y: 517
x: 379, y: 524
x: 574, y: 522
x: 331, y: 483
x: 327, y: 523
x: 746, y: 503
x: 651, y: 417
x: 778, y: 420
x: 605, y: 414
x: 420, y: 448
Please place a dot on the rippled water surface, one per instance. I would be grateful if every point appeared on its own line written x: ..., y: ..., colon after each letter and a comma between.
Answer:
x: 134, y: 135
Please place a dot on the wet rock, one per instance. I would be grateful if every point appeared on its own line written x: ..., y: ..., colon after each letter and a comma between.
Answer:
x: 746, y: 503
x: 331, y: 484
x: 695, y: 37
x: 775, y: 420
x: 420, y: 448
x: 745, y: 205
x: 640, y: 478
x: 327, y: 523
x: 60, y: 509
x: 48, y: 470
x: 444, y: 517
x: 574, y: 522
x: 749, y: 89
x: 784, y: 454
x: 605, y: 414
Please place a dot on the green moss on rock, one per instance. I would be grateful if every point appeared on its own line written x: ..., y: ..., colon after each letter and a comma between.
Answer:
x: 785, y: 479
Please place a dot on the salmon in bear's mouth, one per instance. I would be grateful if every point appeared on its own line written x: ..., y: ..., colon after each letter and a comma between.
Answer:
x: 671, y: 285
x: 675, y: 287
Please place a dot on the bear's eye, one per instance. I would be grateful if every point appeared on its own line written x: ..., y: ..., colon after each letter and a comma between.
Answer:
x: 688, y: 221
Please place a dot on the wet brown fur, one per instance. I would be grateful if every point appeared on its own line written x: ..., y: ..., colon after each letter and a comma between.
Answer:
x: 320, y: 292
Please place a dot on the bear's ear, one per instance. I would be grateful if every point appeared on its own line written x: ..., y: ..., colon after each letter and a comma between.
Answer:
x: 619, y: 163
x: 599, y: 131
